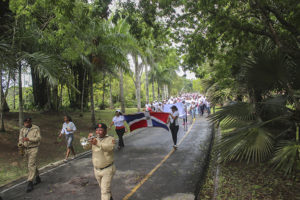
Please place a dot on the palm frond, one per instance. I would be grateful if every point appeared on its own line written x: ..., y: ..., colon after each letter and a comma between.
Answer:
x: 47, y: 66
x: 240, y: 111
x: 287, y: 157
x: 251, y: 144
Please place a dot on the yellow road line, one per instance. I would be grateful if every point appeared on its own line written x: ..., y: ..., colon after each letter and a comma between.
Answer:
x: 156, y: 167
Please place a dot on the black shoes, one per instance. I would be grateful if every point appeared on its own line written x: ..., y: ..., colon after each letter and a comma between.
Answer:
x: 29, y: 186
x: 38, y: 180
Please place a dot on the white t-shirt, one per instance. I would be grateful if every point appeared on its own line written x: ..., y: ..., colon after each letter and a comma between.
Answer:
x: 66, y: 126
x: 176, y: 113
x: 118, y: 121
x: 160, y: 108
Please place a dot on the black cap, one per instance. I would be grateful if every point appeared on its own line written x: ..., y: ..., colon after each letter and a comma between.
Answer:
x: 101, y: 125
x: 27, y: 119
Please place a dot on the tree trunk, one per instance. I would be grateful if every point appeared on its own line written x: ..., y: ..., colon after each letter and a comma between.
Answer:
x: 61, y: 96
x: 102, y: 107
x: 55, y: 98
x: 138, y: 93
x: 111, y: 104
x: 1, y: 104
x: 164, y: 92
x: 138, y: 70
x: 70, y: 97
x: 14, y: 95
x: 39, y: 86
x: 93, y: 118
x: 21, y: 114
x: 153, y: 91
x: 80, y: 77
x: 168, y: 91
x: 82, y: 93
x: 158, y: 93
x: 147, y: 84
x: 48, y: 105
x: 121, y: 84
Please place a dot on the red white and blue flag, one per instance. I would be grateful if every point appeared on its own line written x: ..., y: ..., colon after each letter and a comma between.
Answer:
x: 147, y: 119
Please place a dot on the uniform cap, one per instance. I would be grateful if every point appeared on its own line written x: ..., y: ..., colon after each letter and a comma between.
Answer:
x: 27, y: 119
x: 101, y: 125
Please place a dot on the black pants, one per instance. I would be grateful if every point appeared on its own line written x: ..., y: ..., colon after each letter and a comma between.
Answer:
x: 202, y: 108
x: 174, y: 131
x: 120, y: 133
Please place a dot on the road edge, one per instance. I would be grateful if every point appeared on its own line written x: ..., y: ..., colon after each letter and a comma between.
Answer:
x: 207, y: 159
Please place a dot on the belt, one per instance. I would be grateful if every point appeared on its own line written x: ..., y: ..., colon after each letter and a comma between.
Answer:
x: 105, y: 167
x: 31, y: 147
x: 119, y: 127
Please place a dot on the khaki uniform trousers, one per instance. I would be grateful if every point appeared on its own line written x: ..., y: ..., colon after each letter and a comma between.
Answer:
x: 104, y: 178
x: 31, y: 155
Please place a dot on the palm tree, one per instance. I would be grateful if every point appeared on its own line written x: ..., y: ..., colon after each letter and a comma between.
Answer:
x: 249, y: 127
x: 111, y: 43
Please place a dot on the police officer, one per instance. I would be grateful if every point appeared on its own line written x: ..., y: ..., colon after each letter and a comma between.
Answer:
x: 30, y: 138
x: 103, y: 159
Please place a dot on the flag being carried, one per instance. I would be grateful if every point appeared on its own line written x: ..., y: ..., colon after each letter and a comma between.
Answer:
x: 147, y: 119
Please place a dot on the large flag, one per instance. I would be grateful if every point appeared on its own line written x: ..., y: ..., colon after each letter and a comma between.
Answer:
x: 147, y: 119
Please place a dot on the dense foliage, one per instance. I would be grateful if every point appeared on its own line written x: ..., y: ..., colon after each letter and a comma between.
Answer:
x: 81, y: 55
x: 246, y: 54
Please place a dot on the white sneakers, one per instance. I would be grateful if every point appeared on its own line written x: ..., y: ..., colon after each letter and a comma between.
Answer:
x: 175, y: 147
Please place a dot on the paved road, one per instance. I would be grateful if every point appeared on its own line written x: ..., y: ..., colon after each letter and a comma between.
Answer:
x: 174, y: 179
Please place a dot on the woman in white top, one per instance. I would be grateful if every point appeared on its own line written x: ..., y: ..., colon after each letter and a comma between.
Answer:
x: 118, y: 120
x: 174, y: 125
x: 68, y: 129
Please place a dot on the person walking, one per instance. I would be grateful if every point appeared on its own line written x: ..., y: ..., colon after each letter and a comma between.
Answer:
x: 174, y: 125
x: 118, y: 120
x: 68, y: 130
x: 185, y: 115
x: 193, y: 110
x: 207, y: 103
x: 29, y: 139
x: 103, y: 159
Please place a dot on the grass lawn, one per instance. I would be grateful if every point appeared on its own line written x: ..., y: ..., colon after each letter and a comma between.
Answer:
x: 52, y: 149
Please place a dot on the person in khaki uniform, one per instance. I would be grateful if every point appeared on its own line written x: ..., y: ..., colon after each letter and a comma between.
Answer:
x: 30, y: 138
x: 103, y: 159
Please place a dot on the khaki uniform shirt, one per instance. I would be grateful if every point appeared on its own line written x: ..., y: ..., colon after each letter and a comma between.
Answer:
x: 103, y: 152
x: 33, y: 134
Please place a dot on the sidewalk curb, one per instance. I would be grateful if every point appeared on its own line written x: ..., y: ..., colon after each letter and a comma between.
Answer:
x: 207, y: 158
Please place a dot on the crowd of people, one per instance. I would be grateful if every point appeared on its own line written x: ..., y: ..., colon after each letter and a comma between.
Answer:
x: 193, y: 103
x: 102, y: 145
